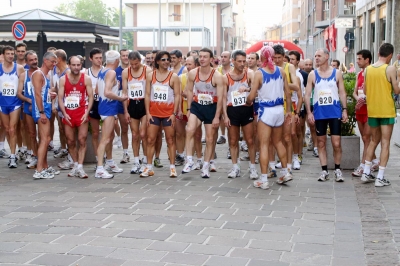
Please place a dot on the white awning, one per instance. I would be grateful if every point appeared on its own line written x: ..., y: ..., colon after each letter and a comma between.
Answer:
x: 8, y: 37
x: 69, y: 37
x: 111, y: 39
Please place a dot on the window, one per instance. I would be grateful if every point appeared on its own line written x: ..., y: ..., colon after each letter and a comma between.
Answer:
x: 326, y: 10
x: 176, y: 12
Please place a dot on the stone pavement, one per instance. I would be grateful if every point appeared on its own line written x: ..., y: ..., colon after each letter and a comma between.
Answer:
x: 190, y: 221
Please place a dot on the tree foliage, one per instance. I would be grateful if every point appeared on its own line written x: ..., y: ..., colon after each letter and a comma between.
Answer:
x: 96, y: 11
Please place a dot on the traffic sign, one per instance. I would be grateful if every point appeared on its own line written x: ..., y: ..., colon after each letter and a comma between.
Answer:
x: 345, y: 49
x: 18, y: 30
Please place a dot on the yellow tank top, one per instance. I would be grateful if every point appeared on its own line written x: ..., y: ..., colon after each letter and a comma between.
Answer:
x: 380, y: 103
x: 286, y: 69
x: 183, y: 86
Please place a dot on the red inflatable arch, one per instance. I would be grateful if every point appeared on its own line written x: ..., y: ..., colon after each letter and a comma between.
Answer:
x: 286, y: 44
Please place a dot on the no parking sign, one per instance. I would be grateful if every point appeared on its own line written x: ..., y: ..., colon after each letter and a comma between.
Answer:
x: 18, y: 30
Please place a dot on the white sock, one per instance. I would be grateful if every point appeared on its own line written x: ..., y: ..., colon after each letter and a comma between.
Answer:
x: 295, y: 155
x: 206, y: 166
x: 272, y: 165
x: 367, y: 168
x: 362, y: 166
x: 125, y: 151
x: 75, y: 165
x: 381, y: 172
x: 189, y: 159
x: 252, y: 166
x: 264, y: 177
x: 172, y: 166
x: 182, y: 154
x: 12, y: 156
x: 80, y: 166
x: 315, y: 149
x: 289, y: 166
x: 149, y: 166
x: 144, y: 160
x: 136, y: 159
x: 110, y: 162
x: 1, y: 145
x: 99, y: 168
x: 236, y: 166
x: 284, y: 171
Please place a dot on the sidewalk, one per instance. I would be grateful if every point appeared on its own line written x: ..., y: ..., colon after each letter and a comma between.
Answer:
x: 191, y: 221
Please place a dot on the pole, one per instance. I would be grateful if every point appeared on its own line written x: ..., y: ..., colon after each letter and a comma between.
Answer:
x: 202, y: 29
x: 329, y: 23
x: 213, y: 31
x: 120, y: 24
x: 159, y: 25
x: 190, y: 24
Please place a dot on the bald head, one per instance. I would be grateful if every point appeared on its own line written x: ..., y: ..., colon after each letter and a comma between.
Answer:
x: 61, y: 54
x: 225, y: 58
x: 190, y: 63
x: 308, y: 65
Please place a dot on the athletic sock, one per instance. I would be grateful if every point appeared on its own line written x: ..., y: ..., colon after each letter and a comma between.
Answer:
x: 324, y: 168
x: 172, y: 166
x: 189, y: 158
x: 1, y: 145
x: 337, y: 166
x: 80, y: 166
x: 264, y: 177
x: 125, y: 151
x: 381, y: 172
x: 136, y: 159
x: 367, y: 168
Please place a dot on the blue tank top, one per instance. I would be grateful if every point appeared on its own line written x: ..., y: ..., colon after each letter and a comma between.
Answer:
x: 45, y: 99
x: 28, y: 92
x: 326, y: 97
x: 272, y: 90
x: 107, y: 107
x: 181, y: 70
x: 118, y: 71
x: 9, y: 87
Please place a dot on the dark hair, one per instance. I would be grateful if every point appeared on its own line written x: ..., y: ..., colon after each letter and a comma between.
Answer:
x: 134, y: 55
x: 206, y: 50
x: 95, y: 51
x: 155, y: 51
x: 257, y: 56
x: 7, y: 47
x: 287, y: 57
x: 238, y: 52
x: 177, y: 53
x: 61, y: 54
x: 193, y: 51
x: 365, y: 54
x: 123, y: 50
x: 80, y: 58
x: 337, y: 61
x: 386, y: 49
x: 1, y: 49
x: 295, y: 53
x: 278, y: 49
x: 21, y: 44
x: 149, y: 52
x: 159, y: 55
x: 196, y: 61
x: 29, y: 52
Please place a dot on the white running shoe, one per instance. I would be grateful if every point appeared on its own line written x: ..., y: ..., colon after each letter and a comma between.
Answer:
x: 103, y: 174
x: 198, y: 165
x: 296, y: 163
x: 235, y: 172
x: 53, y: 171
x: 135, y: 168
x: 253, y: 173
x: 278, y: 165
x: 261, y: 184
x: 285, y: 178
x: 33, y: 163
x: 61, y: 154
x: 382, y: 182
x: 188, y: 167
x: 338, y: 175
x: 368, y: 178
x: 125, y: 158
x: 113, y: 168
x: 43, y: 175
x: 66, y: 164
x: 12, y: 163
x: 323, y: 176
x: 81, y: 173
x: 28, y: 158
x: 73, y: 172
x: 213, y: 167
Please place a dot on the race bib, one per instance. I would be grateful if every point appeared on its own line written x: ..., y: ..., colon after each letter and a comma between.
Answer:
x: 136, y: 91
x: 71, y: 102
x: 160, y: 93
x: 238, y: 98
x: 8, y: 89
x: 325, y: 97
x: 29, y: 88
x: 48, y: 98
x: 205, y: 99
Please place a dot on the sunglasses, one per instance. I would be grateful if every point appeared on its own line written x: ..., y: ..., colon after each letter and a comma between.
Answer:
x: 165, y: 59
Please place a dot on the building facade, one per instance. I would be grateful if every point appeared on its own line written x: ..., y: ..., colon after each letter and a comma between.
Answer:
x: 273, y: 33
x: 290, y: 25
x: 186, y: 24
x: 377, y: 23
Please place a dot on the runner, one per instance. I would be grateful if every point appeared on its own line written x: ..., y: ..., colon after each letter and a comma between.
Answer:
x: 364, y: 59
x: 204, y: 94
x: 3, y: 152
x: 20, y: 50
x: 380, y: 84
x: 237, y: 114
x: 75, y: 88
x: 41, y: 113
x: 328, y: 90
x: 294, y: 110
x: 124, y: 63
x: 10, y: 104
x: 133, y: 85
x: 176, y: 66
x: 271, y: 83
x: 253, y: 60
x: 107, y: 88
x: 25, y: 93
x: 149, y: 59
x: 162, y: 102
x: 96, y: 57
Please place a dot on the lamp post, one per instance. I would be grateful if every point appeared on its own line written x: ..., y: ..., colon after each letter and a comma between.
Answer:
x: 120, y: 24
x: 190, y: 24
x: 223, y: 32
x: 202, y: 29
x: 213, y: 26
x: 159, y: 25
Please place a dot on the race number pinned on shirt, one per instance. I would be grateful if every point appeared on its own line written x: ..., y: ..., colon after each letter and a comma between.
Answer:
x: 136, y: 91
x: 238, y: 98
x: 29, y: 88
x: 160, y: 93
x: 48, y: 98
x: 325, y: 97
x: 72, y: 102
x: 8, y: 89
x: 205, y: 99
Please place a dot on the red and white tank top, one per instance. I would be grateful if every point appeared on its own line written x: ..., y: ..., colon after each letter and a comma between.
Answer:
x: 234, y: 97
x: 75, y: 94
x: 136, y: 85
x: 162, y: 97
x: 204, y: 93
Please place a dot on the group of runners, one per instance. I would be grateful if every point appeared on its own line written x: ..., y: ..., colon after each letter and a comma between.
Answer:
x: 258, y: 96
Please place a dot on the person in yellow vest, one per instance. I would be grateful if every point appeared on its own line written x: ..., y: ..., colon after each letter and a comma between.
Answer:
x: 380, y: 84
x: 294, y: 87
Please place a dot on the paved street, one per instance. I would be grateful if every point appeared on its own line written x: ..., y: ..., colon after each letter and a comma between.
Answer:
x: 190, y: 221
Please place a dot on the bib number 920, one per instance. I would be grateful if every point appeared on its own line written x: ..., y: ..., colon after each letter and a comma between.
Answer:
x: 325, y: 100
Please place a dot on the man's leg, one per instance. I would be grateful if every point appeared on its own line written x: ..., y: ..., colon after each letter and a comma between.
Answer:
x: 106, y: 138
x: 10, y: 122
x: 222, y: 138
x: 117, y: 130
x: 211, y: 141
x: 170, y: 139
x: 124, y: 137
x: 157, y: 148
x: 82, y: 136
x: 192, y: 128
x: 95, y: 125
x: 152, y: 134
x: 287, y: 137
x: 44, y: 134
x: 72, y: 149
x: 233, y: 140
x: 180, y: 127
x: 3, y: 153
x: 264, y: 139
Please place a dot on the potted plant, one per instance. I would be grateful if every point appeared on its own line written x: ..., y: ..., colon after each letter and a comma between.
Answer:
x: 350, y: 141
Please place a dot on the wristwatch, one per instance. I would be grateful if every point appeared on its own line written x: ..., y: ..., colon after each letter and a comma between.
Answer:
x: 41, y: 112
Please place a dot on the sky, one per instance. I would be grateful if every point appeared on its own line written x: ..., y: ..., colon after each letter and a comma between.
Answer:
x: 258, y: 13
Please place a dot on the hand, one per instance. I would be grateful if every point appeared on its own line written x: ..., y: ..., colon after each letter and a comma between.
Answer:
x: 123, y: 98
x: 149, y: 118
x: 215, y: 122
x: 243, y: 89
x: 172, y: 119
x: 43, y: 118
x: 227, y: 122
x: 179, y: 114
x: 127, y: 117
x: 360, y: 102
x: 345, y: 119
x: 67, y: 118
x: 84, y: 118
x: 288, y: 118
x: 53, y: 95
x: 310, y: 118
x: 297, y: 119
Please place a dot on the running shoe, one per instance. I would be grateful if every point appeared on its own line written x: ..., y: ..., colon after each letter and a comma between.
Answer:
x: 323, y: 176
x: 198, y: 165
x: 261, y: 184
x: 358, y: 171
x: 368, y: 178
x: 125, y: 158
x: 81, y: 173
x: 33, y: 163
x: 179, y: 160
x: 285, y: 178
x: 157, y: 163
x: 61, y: 154
x: 235, y: 172
x: 73, y: 172
x: 53, y: 171
x: 221, y: 140
x: 4, y: 153
x: 113, y: 168
x: 253, y: 173
x: 382, y: 182
x: 147, y: 172
x: 338, y: 175
x: 135, y: 168
x: 188, y: 167
x: 103, y: 174
x: 213, y: 167
x: 12, y: 163
x: 172, y: 172
x: 296, y: 163
x: 315, y: 153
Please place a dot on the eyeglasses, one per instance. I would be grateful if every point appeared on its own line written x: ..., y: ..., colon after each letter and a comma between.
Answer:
x: 165, y: 59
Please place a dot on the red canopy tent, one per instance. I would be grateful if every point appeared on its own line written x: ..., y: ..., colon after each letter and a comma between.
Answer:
x: 286, y: 44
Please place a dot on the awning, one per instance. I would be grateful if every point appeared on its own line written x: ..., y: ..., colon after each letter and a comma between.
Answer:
x: 8, y: 37
x: 69, y: 37
x: 111, y: 39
